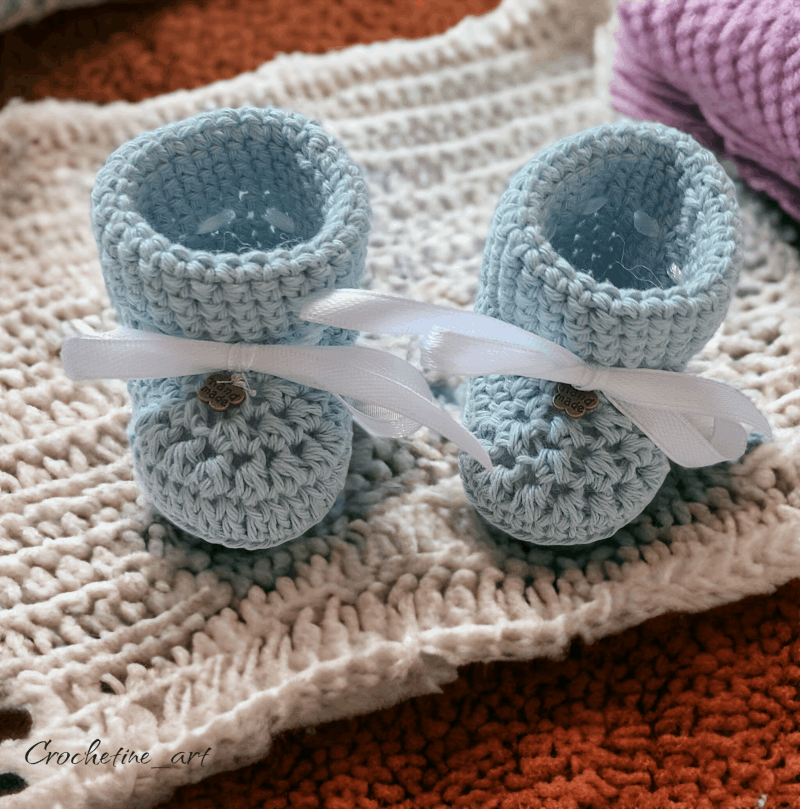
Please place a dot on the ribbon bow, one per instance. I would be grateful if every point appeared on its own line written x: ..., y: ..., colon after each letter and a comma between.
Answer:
x: 387, y: 396
x: 694, y: 421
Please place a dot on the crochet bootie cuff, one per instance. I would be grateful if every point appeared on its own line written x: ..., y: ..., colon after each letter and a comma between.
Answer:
x: 220, y: 226
x: 620, y: 243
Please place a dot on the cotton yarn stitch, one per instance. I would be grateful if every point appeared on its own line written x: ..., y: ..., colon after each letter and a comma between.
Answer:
x: 725, y: 71
x: 578, y: 252
x: 185, y: 221
x: 116, y: 625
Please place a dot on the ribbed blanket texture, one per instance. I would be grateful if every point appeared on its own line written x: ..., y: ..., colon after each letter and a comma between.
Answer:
x: 117, y: 627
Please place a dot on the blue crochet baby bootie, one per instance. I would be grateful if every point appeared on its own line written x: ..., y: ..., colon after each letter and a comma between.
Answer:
x: 620, y: 244
x: 218, y: 228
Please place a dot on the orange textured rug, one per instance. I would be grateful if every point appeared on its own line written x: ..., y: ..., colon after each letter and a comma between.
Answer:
x: 133, y: 51
x: 683, y: 712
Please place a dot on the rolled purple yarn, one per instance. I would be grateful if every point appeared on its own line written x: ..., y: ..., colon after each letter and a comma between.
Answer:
x: 727, y: 72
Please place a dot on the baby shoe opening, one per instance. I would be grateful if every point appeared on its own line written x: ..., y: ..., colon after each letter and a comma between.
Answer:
x: 221, y: 225
x: 623, y: 219
x: 237, y: 186
x: 621, y: 243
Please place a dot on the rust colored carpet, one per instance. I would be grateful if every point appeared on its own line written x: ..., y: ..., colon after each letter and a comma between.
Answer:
x: 133, y: 51
x: 684, y: 712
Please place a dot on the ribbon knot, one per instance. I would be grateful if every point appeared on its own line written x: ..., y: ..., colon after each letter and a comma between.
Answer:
x: 591, y: 377
x: 241, y: 357
x: 694, y: 421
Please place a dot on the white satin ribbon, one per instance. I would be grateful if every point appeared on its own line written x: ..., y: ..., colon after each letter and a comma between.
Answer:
x: 387, y: 396
x: 694, y: 421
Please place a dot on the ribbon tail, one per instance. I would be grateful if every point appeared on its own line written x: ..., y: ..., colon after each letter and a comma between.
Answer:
x: 689, y: 441
x: 373, y: 312
x: 393, y: 391
x: 693, y: 396
x: 395, y: 425
x: 464, y: 351
x: 449, y: 333
x: 380, y: 420
x: 131, y: 354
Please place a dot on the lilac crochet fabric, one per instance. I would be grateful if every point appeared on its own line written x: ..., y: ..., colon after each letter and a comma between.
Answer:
x: 725, y: 71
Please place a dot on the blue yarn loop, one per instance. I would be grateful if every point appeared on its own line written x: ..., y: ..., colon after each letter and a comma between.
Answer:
x: 621, y: 244
x: 217, y: 228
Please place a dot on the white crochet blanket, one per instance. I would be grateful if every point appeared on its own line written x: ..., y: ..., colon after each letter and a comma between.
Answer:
x: 114, y: 627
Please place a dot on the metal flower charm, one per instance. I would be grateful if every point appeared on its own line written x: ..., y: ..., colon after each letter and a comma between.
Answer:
x: 221, y: 392
x: 575, y: 402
